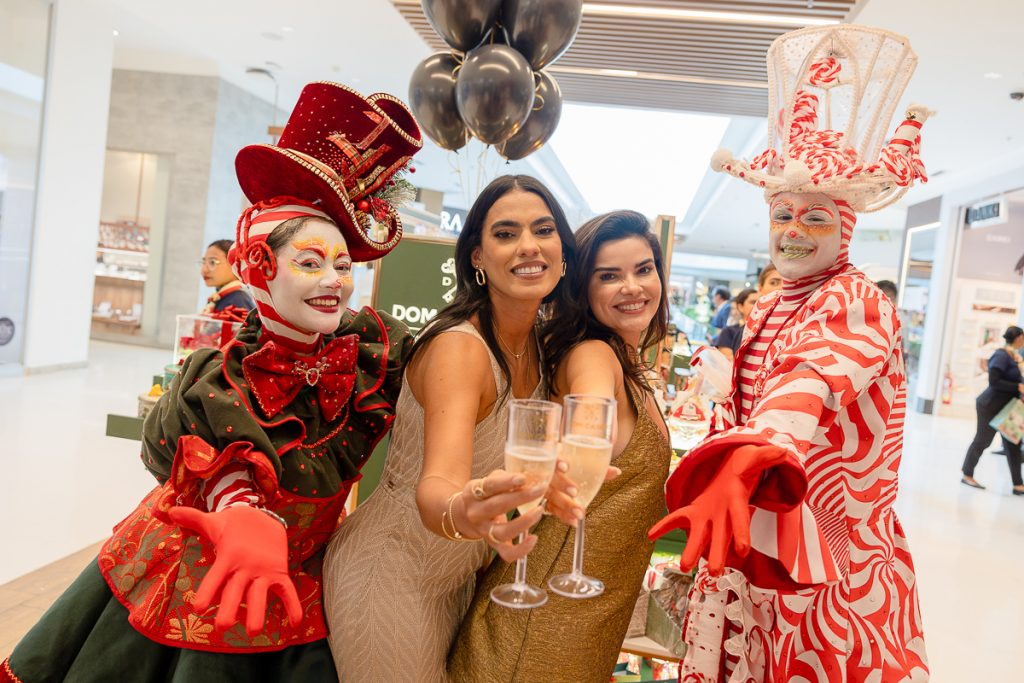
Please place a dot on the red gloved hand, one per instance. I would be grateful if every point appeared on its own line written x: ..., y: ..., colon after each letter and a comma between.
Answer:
x: 720, y: 516
x: 252, y: 559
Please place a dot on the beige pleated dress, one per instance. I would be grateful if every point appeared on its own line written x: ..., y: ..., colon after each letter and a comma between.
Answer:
x: 394, y: 592
x: 566, y: 640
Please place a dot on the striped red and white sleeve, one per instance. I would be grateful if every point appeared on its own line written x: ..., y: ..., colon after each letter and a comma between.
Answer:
x: 231, y: 485
x: 833, y: 354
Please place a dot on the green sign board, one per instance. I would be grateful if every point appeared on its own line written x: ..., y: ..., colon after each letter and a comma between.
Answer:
x: 415, y: 280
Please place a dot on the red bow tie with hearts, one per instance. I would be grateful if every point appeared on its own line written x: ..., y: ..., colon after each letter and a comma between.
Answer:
x: 276, y: 375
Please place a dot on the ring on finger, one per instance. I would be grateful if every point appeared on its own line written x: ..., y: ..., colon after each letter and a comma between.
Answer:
x: 490, y: 535
x: 478, y: 490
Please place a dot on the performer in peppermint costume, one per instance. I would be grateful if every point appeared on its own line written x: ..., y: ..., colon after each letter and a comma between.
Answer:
x: 806, y: 574
x: 216, y: 575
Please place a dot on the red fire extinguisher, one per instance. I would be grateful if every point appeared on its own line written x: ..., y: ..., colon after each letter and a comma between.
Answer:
x: 947, y: 387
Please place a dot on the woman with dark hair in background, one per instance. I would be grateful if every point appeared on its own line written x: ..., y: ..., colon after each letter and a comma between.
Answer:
x: 217, y: 273
x: 595, y: 341
x: 1005, y: 383
x: 768, y: 280
x: 728, y: 341
x: 400, y: 571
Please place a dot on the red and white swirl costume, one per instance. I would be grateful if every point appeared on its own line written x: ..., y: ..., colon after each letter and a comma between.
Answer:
x: 827, y: 593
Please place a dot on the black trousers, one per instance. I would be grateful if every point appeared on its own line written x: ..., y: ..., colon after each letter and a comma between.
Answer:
x: 983, y: 439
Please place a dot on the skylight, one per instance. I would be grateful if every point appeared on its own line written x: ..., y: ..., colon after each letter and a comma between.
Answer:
x: 623, y: 158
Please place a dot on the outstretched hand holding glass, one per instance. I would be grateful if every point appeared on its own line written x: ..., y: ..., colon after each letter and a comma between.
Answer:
x: 530, y: 450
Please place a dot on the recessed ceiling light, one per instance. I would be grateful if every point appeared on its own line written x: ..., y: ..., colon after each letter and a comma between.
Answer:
x: 116, y: 33
x: 704, y: 15
x: 992, y: 75
x: 620, y: 72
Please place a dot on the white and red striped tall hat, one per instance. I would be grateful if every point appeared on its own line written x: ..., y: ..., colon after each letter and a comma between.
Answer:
x: 832, y: 94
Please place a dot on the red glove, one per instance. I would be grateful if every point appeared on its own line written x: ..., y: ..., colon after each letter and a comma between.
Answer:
x: 252, y: 559
x: 721, y: 514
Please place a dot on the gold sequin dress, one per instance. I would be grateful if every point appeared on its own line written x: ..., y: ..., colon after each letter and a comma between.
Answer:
x: 566, y: 640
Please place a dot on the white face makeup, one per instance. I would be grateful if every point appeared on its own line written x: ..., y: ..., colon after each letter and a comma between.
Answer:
x: 314, y: 278
x: 520, y: 250
x: 625, y: 289
x: 806, y: 234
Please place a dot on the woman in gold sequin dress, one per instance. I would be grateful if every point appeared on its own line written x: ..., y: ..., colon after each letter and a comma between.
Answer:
x: 594, y: 344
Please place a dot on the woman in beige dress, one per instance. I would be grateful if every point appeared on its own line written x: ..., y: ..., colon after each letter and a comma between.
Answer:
x: 616, y: 311
x: 399, y: 573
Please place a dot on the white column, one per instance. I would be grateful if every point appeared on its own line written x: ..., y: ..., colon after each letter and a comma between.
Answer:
x: 74, y: 135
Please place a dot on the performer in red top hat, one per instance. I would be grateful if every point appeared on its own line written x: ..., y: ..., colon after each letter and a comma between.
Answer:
x: 216, y: 575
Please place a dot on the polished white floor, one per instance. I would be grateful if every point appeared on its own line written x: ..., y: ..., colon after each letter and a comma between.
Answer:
x: 63, y: 484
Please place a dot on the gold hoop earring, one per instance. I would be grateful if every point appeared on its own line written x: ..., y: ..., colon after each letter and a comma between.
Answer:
x: 481, y: 277
x: 563, y: 268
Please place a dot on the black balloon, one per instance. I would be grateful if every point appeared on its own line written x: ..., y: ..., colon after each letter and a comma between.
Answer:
x: 494, y: 92
x: 540, y: 126
x: 541, y: 29
x: 462, y: 23
x: 432, y: 98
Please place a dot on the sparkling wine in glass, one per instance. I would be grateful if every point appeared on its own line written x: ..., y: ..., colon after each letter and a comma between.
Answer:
x: 587, y: 448
x: 531, y: 450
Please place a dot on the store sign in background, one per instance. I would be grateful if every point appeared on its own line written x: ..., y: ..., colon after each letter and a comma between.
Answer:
x: 416, y: 280
x: 452, y: 220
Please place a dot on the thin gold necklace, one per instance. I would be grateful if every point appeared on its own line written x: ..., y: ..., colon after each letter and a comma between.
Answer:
x: 517, y: 356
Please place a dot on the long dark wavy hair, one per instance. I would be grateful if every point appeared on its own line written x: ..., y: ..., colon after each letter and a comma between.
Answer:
x: 572, y: 321
x: 471, y: 298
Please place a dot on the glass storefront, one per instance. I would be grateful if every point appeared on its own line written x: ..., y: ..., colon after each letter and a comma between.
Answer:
x: 24, y: 32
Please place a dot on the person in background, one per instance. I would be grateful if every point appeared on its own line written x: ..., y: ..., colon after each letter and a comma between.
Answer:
x: 217, y: 273
x: 723, y: 308
x: 769, y: 280
x: 889, y: 288
x: 728, y: 341
x: 1005, y: 383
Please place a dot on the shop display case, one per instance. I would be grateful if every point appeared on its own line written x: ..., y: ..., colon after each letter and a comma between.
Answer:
x: 122, y: 260
x: 195, y: 332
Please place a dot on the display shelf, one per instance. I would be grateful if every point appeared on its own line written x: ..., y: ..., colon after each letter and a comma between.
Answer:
x: 114, y: 321
x: 128, y: 252
x: 124, y: 427
x: 642, y: 646
x: 120, y: 279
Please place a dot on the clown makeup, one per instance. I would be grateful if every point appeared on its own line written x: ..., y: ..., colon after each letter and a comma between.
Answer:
x: 806, y: 235
x: 314, y: 278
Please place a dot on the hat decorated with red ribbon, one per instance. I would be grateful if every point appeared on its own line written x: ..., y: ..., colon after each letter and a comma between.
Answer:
x: 832, y: 94
x: 345, y: 154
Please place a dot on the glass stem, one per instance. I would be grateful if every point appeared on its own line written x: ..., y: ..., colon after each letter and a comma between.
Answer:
x: 577, y: 552
x: 521, y: 564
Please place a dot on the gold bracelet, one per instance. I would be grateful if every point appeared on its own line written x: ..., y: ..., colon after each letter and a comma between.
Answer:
x: 455, y: 535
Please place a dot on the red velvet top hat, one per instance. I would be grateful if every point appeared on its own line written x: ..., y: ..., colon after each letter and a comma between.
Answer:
x: 346, y: 153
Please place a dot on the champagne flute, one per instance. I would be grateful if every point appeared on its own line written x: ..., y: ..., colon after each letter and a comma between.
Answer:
x: 587, y: 448
x: 531, y: 450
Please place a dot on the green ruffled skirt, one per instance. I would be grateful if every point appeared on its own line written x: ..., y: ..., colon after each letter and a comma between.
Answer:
x: 85, y: 637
